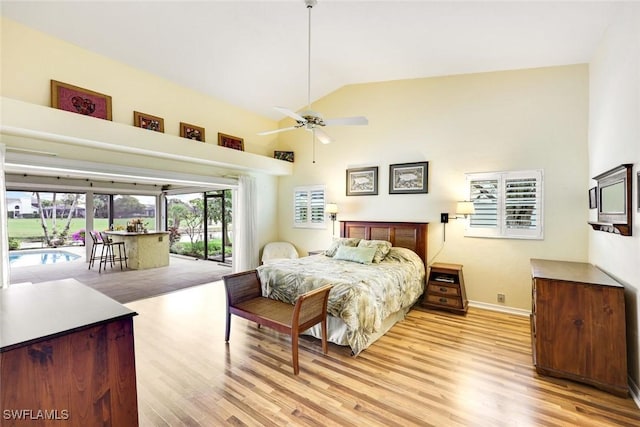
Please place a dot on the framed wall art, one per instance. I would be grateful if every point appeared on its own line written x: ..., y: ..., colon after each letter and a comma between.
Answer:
x: 283, y: 155
x: 230, y: 141
x: 147, y: 121
x: 79, y: 100
x: 362, y: 181
x: 593, y: 198
x: 409, y: 178
x: 638, y: 190
x: 191, y: 132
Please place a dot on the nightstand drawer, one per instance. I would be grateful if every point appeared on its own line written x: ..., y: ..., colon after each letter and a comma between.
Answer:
x: 445, y: 301
x: 437, y: 288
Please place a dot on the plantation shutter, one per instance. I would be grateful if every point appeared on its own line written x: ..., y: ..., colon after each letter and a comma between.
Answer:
x: 484, y: 195
x: 301, y: 207
x: 507, y: 204
x: 522, y: 205
x: 308, y: 207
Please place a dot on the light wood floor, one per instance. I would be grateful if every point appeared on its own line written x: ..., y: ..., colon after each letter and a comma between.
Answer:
x: 433, y: 368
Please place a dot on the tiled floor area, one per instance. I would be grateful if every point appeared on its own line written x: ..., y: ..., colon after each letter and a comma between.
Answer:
x: 126, y: 285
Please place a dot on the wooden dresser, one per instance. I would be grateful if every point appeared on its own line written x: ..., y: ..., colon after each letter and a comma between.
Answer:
x: 578, y: 325
x: 66, y: 357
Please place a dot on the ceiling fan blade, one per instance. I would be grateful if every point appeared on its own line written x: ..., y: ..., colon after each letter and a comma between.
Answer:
x: 347, y: 121
x: 297, y: 117
x: 322, y: 136
x: 269, y: 132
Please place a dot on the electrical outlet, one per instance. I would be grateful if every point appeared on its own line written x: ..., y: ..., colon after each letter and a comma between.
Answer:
x: 444, y: 217
x: 501, y: 298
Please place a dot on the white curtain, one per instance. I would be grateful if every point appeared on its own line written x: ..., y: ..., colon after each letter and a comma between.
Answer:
x: 245, y: 224
x: 4, y: 237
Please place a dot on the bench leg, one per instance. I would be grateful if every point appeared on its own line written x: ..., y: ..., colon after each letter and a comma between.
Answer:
x: 294, y: 354
x: 227, y: 331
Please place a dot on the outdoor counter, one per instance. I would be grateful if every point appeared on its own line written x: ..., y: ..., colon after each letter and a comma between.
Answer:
x: 144, y: 250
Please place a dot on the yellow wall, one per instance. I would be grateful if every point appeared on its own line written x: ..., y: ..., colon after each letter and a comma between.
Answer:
x: 31, y: 59
x: 512, y: 120
x: 470, y: 123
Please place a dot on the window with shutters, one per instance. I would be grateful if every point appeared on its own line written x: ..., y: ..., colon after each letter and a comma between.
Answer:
x: 308, y: 207
x: 507, y: 204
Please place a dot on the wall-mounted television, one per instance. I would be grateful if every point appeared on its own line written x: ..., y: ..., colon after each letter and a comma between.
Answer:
x: 614, y: 200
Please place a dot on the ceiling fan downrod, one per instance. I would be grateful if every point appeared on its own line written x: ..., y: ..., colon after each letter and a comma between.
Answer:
x: 309, y: 4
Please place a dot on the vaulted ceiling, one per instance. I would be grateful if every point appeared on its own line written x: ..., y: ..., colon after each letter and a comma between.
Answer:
x: 254, y: 53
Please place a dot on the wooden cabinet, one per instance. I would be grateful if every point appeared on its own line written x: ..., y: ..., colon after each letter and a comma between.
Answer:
x: 445, y: 288
x: 66, y: 357
x: 578, y: 325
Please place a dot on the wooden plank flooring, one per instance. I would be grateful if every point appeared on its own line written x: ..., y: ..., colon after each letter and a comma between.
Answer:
x: 432, y: 369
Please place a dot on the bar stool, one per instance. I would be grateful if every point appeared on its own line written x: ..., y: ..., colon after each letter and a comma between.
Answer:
x: 95, y: 237
x: 109, y: 246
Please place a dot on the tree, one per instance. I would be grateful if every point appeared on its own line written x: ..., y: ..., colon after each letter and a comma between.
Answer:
x: 128, y: 206
x: 73, y: 198
x: 177, y: 210
x: 214, y: 211
x: 52, y: 237
x: 43, y: 222
x: 194, y: 218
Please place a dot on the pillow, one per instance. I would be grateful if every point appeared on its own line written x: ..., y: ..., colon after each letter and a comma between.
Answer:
x: 382, y: 248
x: 341, y: 241
x: 360, y: 255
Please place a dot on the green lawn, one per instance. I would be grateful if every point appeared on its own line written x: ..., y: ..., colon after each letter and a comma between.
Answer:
x: 30, y: 228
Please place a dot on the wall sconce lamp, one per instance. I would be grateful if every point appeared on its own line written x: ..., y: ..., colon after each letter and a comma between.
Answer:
x: 332, y: 210
x: 464, y: 208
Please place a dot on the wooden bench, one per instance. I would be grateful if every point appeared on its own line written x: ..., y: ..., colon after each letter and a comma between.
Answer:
x: 244, y: 299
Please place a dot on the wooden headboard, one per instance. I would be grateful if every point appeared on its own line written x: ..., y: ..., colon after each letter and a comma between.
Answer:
x: 410, y: 235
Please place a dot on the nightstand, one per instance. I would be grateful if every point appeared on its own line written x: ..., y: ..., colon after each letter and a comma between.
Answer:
x: 445, y: 288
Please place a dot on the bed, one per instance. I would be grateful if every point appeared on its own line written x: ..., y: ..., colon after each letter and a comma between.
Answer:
x: 367, y: 298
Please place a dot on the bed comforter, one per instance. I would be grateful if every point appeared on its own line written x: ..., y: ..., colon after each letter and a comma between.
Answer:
x: 363, y: 295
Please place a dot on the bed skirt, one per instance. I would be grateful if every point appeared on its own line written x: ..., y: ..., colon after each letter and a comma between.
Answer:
x: 337, y: 329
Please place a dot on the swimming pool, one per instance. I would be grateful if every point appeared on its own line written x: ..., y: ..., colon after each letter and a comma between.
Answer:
x: 40, y: 257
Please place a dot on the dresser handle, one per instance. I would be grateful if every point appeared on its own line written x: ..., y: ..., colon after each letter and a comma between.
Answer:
x: 443, y: 300
x: 443, y: 289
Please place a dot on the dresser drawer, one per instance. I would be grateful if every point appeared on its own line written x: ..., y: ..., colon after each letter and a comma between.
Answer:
x: 437, y: 288
x: 445, y: 301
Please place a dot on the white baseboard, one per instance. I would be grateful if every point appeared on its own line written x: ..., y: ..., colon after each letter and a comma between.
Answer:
x: 501, y: 308
x: 634, y: 390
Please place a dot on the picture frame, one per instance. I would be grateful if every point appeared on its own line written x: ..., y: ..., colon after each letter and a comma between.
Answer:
x: 230, y: 141
x: 638, y: 191
x: 593, y: 198
x: 409, y: 178
x: 193, y: 132
x: 75, y: 99
x: 284, y: 155
x: 147, y: 121
x: 362, y: 181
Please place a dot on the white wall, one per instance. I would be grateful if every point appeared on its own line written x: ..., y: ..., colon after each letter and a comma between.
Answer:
x: 512, y: 120
x: 614, y: 138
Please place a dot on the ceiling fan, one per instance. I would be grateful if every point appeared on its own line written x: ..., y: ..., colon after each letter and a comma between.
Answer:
x: 309, y: 119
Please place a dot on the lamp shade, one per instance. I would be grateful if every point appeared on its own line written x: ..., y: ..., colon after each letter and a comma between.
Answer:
x: 331, y: 208
x: 465, y: 208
